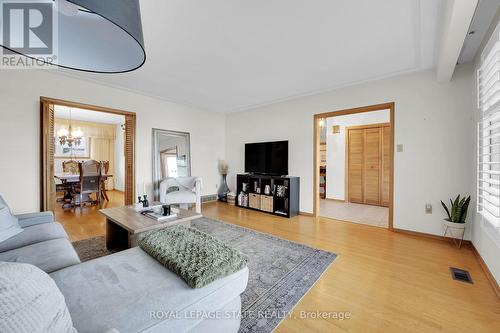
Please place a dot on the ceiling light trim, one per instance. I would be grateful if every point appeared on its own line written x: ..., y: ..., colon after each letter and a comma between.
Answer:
x: 74, y: 75
x: 83, y: 4
x: 139, y: 39
x: 417, y: 32
x: 325, y: 90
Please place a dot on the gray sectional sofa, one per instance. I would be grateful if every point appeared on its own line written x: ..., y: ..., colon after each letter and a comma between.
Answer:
x: 43, y: 243
x: 128, y: 291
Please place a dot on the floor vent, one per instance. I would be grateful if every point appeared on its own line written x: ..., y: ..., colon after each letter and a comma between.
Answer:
x: 208, y: 198
x: 460, y: 275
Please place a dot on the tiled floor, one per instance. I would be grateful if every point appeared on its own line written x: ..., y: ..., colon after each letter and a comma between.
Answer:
x: 352, y: 212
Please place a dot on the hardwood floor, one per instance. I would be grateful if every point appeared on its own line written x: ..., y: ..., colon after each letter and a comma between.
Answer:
x: 89, y: 222
x: 389, y: 282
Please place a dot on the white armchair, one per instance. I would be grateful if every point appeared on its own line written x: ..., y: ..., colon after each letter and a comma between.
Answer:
x: 189, y: 191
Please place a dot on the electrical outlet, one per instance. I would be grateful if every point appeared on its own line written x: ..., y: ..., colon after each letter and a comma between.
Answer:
x: 428, y: 209
x: 399, y: 148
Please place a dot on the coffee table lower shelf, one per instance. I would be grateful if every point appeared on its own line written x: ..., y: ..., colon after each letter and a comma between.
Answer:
x: 123, y: 224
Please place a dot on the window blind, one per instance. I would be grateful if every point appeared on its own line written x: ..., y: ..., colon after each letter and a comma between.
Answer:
x: 488, y: 96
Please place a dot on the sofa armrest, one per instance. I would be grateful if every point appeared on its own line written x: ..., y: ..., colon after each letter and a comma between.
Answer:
x: 27, y: 220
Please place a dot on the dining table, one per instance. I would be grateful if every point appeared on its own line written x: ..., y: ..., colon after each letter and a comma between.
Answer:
x: 66, y: 177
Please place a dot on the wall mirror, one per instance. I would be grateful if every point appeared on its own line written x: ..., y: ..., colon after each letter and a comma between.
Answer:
x: 171, y: 156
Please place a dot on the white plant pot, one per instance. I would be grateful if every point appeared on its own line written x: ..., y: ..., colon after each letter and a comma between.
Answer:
x: 454, y: 225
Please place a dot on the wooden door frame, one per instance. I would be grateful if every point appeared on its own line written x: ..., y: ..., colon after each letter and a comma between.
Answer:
x: 378, y: 107
x: 47, y: 147
x: 347, y: 129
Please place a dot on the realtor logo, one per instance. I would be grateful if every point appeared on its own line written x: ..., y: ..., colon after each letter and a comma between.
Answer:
x: 28, y: 28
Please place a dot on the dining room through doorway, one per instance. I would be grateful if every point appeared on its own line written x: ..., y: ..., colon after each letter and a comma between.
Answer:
x: 89, y: 168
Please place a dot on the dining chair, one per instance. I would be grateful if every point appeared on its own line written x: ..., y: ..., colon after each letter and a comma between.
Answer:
x: 70, y: 167
x: 105, y: 169
x: 90, y: 182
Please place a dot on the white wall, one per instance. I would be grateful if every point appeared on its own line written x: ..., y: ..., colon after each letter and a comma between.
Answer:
x: 335, y: 147
x: 485, y: 237
x: 433, y: 121
x: 119, y: 175
x: 20, y: 91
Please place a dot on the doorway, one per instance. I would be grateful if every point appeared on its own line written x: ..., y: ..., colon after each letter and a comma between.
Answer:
x: 81, y: 146
x: 353, y: 165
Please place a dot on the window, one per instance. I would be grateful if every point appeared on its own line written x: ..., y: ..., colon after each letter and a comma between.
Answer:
x: 488, y: 83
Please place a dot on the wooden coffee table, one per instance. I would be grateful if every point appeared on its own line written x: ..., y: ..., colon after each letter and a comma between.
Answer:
x: 124, y: 223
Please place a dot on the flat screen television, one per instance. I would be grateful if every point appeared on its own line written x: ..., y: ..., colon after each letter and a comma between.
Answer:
x: 267, y: 158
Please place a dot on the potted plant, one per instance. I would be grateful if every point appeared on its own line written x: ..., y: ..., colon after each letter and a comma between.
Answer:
x: 457, y: 213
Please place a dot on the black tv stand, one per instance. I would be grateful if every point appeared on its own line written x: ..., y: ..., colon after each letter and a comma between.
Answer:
x: 277, y: 195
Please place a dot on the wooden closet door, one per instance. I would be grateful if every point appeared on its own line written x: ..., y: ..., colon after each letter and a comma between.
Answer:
x: 355, y: 165
x: 372, y: 166
x: 386, y: 165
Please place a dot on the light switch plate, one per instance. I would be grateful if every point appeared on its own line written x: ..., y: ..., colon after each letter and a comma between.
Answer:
x: 399, y: 148
x: 428, y: 209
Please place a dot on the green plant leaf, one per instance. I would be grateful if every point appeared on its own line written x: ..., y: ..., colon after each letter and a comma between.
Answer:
x: 455, y: 209
x: 446, y: 209
x: 465, y: 207
x: 452, y: 210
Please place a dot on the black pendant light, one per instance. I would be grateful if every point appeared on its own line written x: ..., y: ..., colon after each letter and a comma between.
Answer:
x: 102, y: 36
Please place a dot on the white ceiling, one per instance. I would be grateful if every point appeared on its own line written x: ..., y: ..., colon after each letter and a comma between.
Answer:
x: 231, y: 55
x: 62, y: 112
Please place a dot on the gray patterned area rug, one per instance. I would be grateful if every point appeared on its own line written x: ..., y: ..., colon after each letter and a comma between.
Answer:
x: 91, y: 248
x: 281, y: 272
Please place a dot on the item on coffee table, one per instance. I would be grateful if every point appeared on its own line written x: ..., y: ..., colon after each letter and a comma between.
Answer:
x: 166, y: 210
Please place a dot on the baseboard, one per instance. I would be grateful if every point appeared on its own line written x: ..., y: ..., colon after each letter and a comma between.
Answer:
x: 335, y: 200
x: 305, y: 214
x: 429, y: 236
x: 489, y: 276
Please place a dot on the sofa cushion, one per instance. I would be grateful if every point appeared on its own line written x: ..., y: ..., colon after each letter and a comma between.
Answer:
x: 29, y: 219
x: 34, y: 234
x: 9, y: 225
x: 49, y: 256
x: 128, y: 289
x: 179, y: 197
x: 30, y: 301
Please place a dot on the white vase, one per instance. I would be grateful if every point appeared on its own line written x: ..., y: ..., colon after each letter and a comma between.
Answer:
x: 454, y: 225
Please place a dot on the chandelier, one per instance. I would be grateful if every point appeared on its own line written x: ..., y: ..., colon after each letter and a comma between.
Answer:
x: 69, y: 136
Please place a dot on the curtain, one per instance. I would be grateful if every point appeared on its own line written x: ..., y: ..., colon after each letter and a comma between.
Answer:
x: 89, y: 129
x: 104, y: 150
